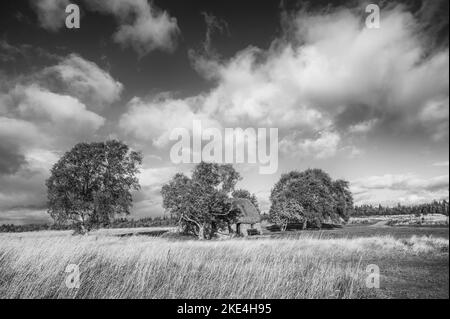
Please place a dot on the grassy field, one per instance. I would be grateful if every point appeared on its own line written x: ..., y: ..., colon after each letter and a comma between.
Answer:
x: 365, y: 231
x: 429, y: 220
x: 328, y: 264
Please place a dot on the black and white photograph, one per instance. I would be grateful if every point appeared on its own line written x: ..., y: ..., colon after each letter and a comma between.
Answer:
x: 236, y: 152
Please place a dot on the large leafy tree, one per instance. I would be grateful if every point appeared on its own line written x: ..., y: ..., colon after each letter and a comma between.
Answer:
x: 202, y: 203
x: 92, y: 183
x: 343, y: 199
x: 311, y: 197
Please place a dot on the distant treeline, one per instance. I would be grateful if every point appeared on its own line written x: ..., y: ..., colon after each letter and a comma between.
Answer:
x: 117, y: 223
x: 435, y: 207
x: 422, y: 209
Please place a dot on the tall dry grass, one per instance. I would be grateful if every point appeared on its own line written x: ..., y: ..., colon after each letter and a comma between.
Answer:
x: 33, y: 266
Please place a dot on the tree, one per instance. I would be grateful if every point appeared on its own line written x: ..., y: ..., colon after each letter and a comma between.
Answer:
x: 311, y: 197
x: 418, y: 210
x: 92, y: 183
x: 287, y: 211
x: 343, y: 198
x: 202, y: 203
x: 245, y: 194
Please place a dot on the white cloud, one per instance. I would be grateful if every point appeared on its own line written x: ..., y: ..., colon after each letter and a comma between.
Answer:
x: 363, y: 127
x: 435, y: 118
x: 405, y: 182
x: 304, y: 83
x: 51, y: 13
x: 52, y: 107
x: 404, y: 188
x: 85, y: 80
x: 41, y: 159
x: 52, y: 111
x: 142, y: 26
x: 154, y: 120
x: 325, y: 145
x: 441, y: 164
x: 19, y: 132
x: 264, y: 94
x: 156, y: 176
x: 332, y: 63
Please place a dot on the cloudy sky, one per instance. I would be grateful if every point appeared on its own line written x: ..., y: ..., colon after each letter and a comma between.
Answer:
x: 367, y: 105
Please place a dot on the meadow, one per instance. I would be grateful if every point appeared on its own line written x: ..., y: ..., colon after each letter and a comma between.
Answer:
x: 403, y: 220
x: 121, y: 264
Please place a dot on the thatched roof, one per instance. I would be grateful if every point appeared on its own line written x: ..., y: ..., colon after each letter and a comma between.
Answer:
x: 249, y: 213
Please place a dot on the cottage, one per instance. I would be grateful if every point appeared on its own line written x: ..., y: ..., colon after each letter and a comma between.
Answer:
x: 249, y: 222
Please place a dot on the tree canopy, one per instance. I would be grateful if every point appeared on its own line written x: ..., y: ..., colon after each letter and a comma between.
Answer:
x: 202, y: 202
x: 92, y: 183
x: 310, y: 197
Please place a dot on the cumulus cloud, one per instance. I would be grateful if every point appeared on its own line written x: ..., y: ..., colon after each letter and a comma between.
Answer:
x: 325, y: 145
x: 15, y: 131
x: 404, y: 188
x: 154, y: 120
x: 310, y: 81
x: 435, y: 118
x: 62, y: 112
x: 85, y: 80
x: 40, y: 115
x: 142, y: 26
x: 329, y: 64
x: 363, y: 127
x: 58, y: 102
x: 51, y: 13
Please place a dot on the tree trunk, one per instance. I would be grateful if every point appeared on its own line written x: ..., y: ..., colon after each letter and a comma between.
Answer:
x: 84, y: 229
x: 230, y: 230
x: 80, y: 226
x: 213, y: 230
x: 304, y: 224
x: 201, y: 232
x: 201, y: 228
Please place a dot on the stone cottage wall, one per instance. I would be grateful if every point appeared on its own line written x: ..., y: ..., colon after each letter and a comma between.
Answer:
x: 245, y: 227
